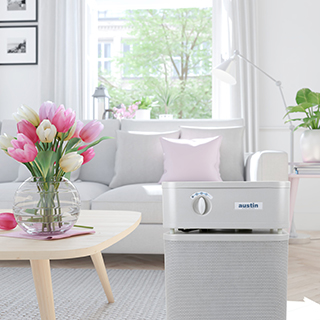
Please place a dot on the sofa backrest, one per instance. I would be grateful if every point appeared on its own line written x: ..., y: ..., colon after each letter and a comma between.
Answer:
x: 232, y: 147
x: 101, y: 167
x: 171, y: 125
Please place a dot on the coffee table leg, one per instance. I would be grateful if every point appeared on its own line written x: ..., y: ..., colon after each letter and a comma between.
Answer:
x: 102, y: 273
x: 42, y: 281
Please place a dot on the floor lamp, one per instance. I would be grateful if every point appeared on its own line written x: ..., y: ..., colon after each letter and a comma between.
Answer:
x: 222, y: 72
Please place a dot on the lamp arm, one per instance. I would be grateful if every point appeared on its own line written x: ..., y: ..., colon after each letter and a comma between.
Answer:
x: 236, y: 53
x: 278, y: 84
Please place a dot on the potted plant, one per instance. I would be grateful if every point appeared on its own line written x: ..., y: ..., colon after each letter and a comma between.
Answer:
x: 167, y: 97
x: 144, y: 107
x: 308, y: 106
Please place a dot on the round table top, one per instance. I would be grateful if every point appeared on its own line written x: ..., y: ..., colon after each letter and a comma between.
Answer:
x: 109, y: 226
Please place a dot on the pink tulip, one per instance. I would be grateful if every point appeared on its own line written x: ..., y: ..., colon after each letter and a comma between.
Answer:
x: 87, y: 155
x: 7, y: 221
x: 47, y: 110
x: 28, y: 129
x: 78, y: 129
x: 91, y: 131
x: 63, y: 119
x: 23, y: 149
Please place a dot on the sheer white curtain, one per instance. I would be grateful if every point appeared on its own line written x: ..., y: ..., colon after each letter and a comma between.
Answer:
x: 62, y: 57
x: 234, y: 29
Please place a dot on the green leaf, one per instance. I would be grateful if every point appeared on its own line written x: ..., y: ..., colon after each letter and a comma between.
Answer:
x: 293, y: 109
x: 89, y: 145
x: 306, y: 105
x: 45, y: 160
x: 290, y: 120
x: 68, y: 175
x: 71, y: 143
x: 301, y: 125
x: 314, y: 97
x: 302, y: 95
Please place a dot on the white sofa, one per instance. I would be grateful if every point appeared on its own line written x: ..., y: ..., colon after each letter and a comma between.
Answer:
x: 125, y: 172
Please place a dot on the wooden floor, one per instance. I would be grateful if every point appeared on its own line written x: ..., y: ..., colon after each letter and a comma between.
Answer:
x: 303, y: 271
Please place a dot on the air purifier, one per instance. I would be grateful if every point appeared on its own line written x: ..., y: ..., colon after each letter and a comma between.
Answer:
x: 226, y: 253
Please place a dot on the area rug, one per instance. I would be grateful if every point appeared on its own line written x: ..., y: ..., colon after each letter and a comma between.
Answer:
x: 78, y: 294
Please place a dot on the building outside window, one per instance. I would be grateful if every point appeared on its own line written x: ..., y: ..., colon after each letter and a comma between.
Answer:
x: 104, y: 57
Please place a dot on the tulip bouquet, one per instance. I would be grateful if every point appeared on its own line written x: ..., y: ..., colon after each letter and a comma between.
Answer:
x: 51, y: 145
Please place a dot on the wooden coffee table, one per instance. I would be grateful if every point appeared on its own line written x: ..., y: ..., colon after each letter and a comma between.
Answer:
x: 110, y: 227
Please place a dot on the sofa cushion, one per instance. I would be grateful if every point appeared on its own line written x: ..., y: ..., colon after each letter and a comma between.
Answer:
x: 144, y: 198
x: 139, y: 157
x: 231, y: 150
x: 7, y: 191
x: 191, y: 160
x: 101, y: 167
x: 8, y: 167
x: 89, y: 191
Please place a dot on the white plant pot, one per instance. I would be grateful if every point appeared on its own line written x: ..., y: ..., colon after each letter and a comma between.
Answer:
x: 143, y: 114
x: 310, y: 145
x: 165, y: 116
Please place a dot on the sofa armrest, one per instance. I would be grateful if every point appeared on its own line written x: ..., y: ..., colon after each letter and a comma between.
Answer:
x: 268, y: 165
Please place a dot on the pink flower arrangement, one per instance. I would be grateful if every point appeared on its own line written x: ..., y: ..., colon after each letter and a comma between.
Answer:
x: 126, y: 113
x: 49, y: 143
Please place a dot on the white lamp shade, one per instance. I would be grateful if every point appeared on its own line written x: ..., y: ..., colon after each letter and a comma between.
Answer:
x: 223, y: 72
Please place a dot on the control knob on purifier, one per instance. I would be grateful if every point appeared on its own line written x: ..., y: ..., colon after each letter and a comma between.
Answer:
x: 200, y: 205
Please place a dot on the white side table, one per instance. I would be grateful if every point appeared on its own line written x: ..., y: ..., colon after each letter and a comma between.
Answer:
x: 294, y: 178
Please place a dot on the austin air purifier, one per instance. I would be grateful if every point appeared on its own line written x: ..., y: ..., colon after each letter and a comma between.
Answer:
x: 226, y: 253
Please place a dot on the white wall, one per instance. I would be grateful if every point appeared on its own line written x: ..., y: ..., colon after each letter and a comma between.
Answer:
x: 288, y: 49
x: 18, y: 85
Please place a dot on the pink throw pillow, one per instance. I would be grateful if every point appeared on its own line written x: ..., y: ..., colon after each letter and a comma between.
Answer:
x: 191, y: 160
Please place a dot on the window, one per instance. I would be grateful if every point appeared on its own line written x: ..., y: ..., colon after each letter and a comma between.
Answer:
x: 171, y: 64
x: 104, y: 57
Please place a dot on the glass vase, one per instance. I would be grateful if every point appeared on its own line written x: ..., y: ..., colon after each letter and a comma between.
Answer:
x: 46, y: 207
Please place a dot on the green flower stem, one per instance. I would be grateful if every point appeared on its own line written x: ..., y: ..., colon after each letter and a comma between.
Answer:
x: 79, y: 226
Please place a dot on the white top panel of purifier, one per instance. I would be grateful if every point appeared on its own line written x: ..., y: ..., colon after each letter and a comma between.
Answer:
x: 226, y: 205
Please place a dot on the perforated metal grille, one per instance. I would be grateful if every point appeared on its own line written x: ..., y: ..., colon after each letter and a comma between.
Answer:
x: 226, y: 280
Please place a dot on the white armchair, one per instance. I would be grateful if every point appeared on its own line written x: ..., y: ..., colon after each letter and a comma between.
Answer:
x: 268, y: 165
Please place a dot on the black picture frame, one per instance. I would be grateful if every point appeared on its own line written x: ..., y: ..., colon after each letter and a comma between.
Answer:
x: 18, y: 45
x: 18, y: 11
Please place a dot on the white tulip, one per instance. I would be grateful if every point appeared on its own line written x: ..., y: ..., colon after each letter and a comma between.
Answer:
x: 71, y: 162
x: 5, y: 141
x: 46, y: 131
x: 28, y: 114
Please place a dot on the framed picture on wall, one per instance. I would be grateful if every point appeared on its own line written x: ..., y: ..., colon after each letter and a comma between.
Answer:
x: 18, y: 45
x: 18, y: 10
